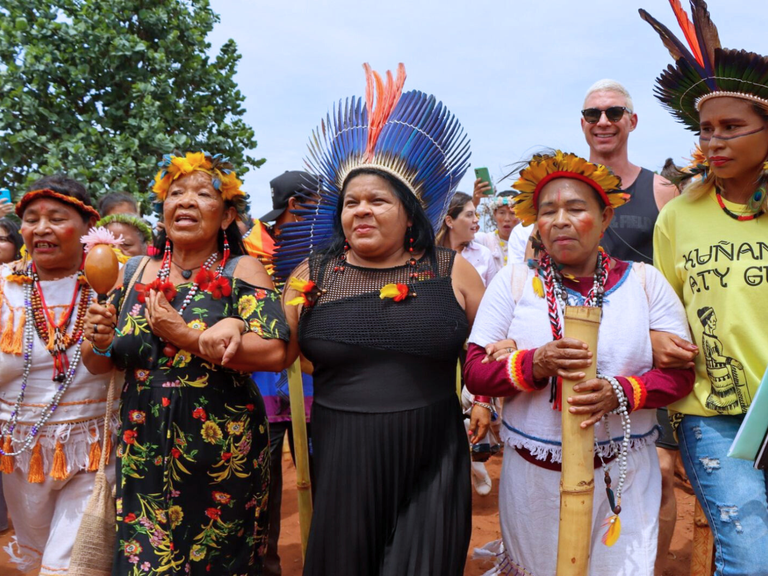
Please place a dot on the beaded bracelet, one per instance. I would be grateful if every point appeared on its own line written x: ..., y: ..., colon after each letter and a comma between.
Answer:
x: 487, y: 406
x: 107, y: 352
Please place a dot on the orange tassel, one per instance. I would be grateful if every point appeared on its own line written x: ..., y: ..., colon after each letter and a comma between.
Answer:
x: 94, y: 455
x: 59, y: 468
x: 6, y: 462
x: 18, y: 337
x: 36, y: 474
x: 6, y: 342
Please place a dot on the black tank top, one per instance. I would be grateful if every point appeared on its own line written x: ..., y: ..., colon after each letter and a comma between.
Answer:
x: 377, y: 355
x: 630, y: 236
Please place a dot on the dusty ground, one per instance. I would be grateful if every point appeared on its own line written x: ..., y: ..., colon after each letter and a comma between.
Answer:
x: 485, y: 527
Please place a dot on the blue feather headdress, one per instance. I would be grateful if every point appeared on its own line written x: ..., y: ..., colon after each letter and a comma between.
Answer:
x: 410, y: 136
x: 706, y: 70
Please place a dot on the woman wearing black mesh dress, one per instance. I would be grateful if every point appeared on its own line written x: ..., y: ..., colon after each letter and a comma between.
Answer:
x: 382, y: 315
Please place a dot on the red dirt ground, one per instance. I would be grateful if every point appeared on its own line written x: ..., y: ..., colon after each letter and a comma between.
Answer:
x: 485, y: 527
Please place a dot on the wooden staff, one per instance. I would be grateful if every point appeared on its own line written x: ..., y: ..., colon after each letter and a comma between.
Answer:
x: 301, y: 451
x: 577, y: 483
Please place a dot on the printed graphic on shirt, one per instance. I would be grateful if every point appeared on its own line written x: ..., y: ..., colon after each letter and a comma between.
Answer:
x: 729, y: 394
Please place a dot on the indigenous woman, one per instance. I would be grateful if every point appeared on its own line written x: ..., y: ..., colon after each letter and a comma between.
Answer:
x: 572, y: 202
x: 458, y: 233
x: 502, y: 212
x: 51, y: 407
x: 193, y: 454
x: 137, y: 235
x: 382, y: 315
x: 715, y: 238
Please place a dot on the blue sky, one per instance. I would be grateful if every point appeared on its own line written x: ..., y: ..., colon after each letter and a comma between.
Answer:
x: 514, y: 73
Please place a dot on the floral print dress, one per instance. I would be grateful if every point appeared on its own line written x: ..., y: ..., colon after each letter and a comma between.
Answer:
x: 193, y: 449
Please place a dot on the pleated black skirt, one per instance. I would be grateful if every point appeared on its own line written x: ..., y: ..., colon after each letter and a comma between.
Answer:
x: 393, y: 493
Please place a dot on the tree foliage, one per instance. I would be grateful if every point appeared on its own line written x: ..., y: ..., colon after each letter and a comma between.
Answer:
x: 100, y: 90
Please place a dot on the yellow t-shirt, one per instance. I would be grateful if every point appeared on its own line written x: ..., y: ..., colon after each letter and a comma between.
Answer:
x: 719, y: 268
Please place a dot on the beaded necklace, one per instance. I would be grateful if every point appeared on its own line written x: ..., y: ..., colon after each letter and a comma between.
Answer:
x: 739, y: 217
x: 58, y: 343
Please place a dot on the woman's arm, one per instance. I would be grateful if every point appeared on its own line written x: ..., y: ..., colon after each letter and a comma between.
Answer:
x: 467, y: 286
x: 224, y: 344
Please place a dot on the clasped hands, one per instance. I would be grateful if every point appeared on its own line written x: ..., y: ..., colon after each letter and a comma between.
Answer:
x: 565, y: 358
x: 218, y: 344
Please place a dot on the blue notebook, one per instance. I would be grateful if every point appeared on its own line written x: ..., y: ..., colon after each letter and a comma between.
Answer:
x: 753, y: 430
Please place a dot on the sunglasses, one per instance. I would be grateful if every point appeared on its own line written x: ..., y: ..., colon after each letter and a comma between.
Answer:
x: 614, y: 114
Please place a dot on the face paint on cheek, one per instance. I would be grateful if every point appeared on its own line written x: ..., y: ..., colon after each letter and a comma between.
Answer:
x: 584, y: 223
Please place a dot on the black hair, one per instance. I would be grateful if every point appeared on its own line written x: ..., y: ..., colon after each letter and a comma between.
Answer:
x: 455, y: 207
x: 507, y: 193
x: 67, y: 186
x: 421, y: 229
x: 12, y: 229
x: 109, y: 201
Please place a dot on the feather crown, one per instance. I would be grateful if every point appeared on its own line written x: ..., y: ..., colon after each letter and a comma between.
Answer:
x: 704, y: 69
x: 544, y: 168
x: 409, y: 136
x: 220, y: 169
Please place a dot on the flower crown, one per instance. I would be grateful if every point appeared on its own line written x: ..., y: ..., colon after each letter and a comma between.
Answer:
x: 544, y: 168
x: 129, y: 220
x: 174, y: 167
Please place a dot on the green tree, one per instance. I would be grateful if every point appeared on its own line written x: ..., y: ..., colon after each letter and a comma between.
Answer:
x: 101, y: 90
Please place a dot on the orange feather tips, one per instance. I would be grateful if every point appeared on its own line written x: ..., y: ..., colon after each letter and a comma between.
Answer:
x: 309, y: 292
x: 380, y: 108
x: 614, y: 530
x: 398, y: 292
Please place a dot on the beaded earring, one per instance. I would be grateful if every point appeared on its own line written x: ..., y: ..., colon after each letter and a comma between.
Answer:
x: 412, y: 262
x: 225, y: 255
x: 343, y: 258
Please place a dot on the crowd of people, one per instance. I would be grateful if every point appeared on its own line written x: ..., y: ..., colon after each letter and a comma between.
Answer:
x: 425, y: 345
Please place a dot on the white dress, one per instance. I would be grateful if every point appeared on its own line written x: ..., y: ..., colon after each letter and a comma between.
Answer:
x: 518, y: 241
x: 529, y: 495
x: 46, y: 515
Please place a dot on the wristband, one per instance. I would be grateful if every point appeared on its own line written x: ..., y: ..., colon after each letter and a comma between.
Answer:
x: 107, y: 352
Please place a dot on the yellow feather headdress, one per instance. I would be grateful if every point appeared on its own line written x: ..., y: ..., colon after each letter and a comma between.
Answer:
x: 544, y: 168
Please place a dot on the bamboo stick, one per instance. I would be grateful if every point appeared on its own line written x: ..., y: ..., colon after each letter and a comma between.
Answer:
x: 577, y: 483
x: 703, y: 543
x: 301, y: 446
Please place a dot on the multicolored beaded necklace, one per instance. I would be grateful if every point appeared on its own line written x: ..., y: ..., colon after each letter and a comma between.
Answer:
x: 757, y: 199
x: 40, y: 319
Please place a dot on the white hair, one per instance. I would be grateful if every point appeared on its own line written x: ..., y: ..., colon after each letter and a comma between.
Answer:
x: 607, y: 85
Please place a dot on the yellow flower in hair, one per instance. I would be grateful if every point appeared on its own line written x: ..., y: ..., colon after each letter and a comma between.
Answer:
x: 173, y: 167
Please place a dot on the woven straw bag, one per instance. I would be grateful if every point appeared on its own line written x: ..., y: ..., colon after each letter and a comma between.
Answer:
x: 94, y: 548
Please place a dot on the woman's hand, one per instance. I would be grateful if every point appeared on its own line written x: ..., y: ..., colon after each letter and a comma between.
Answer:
x: 99, y: 326
x: 561, y: 358
x: 164, y: 321
x: 482, y: 188
x: 479, y: 422
x: 670, y: 351
x: 499, y: 351
x: 5, y: 207
x: 221, y: 341
x: 598, y: 401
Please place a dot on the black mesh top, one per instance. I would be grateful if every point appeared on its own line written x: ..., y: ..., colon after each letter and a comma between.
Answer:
x: 377, y: 355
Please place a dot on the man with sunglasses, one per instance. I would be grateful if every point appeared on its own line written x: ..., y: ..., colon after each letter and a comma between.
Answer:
x: 607, y: 119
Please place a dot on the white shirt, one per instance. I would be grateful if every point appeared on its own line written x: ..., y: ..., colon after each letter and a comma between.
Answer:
x: 496, y: 245
x: 481, y: 258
